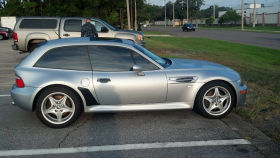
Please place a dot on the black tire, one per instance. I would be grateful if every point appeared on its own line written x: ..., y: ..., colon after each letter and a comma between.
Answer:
x: 1, y: 37
x: 32, y: 46
x: 201, y: 103
x: 73, y: 97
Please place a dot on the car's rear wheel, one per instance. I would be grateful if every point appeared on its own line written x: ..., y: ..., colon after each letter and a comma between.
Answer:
x: 1, y: 37
x: 58, y: 107
x: 215, y: 100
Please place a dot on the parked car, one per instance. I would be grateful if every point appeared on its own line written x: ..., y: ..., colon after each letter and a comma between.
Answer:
x: 63, y: 77
x: 188, y: 27
x: 5, y: 33
x: 29, y: 31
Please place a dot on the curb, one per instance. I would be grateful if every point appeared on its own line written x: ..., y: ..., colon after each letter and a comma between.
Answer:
x: 247, y: 131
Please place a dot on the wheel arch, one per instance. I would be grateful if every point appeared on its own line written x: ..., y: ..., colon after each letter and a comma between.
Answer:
x: 37, y: 36
x: 82, y: 99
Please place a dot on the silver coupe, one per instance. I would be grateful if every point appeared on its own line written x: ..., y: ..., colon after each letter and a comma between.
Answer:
x: 63, y: 77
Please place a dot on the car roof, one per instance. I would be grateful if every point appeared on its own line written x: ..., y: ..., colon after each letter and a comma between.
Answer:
x: 88, y: 40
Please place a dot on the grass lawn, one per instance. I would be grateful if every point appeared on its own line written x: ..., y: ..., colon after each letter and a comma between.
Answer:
x: 271, y: 29
x: 258, y: 66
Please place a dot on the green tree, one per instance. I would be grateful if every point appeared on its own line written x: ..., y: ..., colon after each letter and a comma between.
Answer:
x: 230, y: 16
x: 210, y: 20
x: 206, y: 13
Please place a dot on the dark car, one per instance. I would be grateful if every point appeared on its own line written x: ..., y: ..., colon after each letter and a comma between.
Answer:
x: 188, y: 27
x: 5, y: 33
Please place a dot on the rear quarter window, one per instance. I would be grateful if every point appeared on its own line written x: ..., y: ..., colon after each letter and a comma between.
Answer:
x: 68, y: 58
x: 38, y: 24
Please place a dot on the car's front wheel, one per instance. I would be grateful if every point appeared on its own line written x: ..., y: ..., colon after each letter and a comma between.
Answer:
x: 58, y: 107
x: 215, y: 100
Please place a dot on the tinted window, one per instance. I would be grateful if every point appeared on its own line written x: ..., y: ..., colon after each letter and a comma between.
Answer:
x: 110, y: 58
x: 71, y: 58
x: 73, y: 25
x: 38, y: 24
x: 146, y: 64
x: 157, y: 59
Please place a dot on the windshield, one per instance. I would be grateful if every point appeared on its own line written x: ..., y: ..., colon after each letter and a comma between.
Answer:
x: 108, y: 25
x: 154, y: 57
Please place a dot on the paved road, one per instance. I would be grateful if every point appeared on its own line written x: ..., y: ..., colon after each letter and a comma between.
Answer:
x: 131, y: 134
x: 269, y: 40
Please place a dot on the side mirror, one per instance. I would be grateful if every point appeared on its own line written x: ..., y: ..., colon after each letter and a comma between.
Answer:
x: 104, y: 29
x: 138, y: 69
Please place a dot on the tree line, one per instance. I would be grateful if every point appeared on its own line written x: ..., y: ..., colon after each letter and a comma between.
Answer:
x: 112, y: 11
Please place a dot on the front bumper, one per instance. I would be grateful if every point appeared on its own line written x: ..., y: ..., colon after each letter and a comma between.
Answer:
x: 241, y: 92
x: 23, y: 97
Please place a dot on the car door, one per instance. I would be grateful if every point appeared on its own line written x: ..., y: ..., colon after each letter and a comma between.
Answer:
x: 98, y: 25
x: 71, y: 27
x: 116, y: 84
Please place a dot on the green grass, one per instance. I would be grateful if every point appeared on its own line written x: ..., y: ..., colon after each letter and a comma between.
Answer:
x: 258, y: 66
x: 269, y: 29
x: 153, y: 33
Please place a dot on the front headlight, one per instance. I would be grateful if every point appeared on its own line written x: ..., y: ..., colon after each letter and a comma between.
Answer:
x: 240, y: 83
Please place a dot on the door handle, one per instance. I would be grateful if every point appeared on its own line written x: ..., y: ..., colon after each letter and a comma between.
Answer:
x: 66, y: 34
x: 103, y: 80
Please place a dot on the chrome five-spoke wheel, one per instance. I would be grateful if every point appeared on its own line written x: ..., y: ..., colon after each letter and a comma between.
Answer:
x: 58, y: 107
x: 215, y: 99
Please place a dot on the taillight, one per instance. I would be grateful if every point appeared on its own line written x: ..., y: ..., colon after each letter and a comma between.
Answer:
x: 15, y: 37
x: 19, y: 82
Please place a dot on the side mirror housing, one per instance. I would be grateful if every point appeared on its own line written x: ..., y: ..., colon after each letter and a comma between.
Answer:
x: 138, y: 69
x: 104, y: 29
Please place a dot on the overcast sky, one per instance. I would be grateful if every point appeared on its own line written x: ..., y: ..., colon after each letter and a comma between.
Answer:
x: 227, y: 3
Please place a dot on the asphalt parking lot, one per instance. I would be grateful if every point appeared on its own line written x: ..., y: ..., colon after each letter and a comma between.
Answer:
x: 129, y: 134
x: 270, y: 40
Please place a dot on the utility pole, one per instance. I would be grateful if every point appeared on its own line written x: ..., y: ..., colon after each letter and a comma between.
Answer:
x: 254, y: 23
x: 187, y: 10
x: 173, y: 15
x: 196, y: 23
x: 214, y: 14
x: 135, y: 18
x: 164, y: 13
x: 128, y: 14
x: 242, y: 15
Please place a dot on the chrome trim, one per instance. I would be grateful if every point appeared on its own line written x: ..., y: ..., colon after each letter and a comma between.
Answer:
x: 182, y: 79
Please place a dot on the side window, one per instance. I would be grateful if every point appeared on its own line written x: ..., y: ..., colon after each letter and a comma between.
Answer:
x: 146, y: 64
x: 38, y: 24
x: 69, y: 57
x: 110, y: 58
x: 73, y: 25
x: 97, y: 25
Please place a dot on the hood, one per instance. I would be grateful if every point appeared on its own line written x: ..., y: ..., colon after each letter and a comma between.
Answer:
x: 194, y: 64
x: 131, y: 31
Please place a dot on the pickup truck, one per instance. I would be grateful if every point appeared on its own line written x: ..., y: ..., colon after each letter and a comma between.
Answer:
x: 30, y: 31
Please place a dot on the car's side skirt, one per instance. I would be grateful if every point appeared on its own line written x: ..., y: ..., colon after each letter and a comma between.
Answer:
x: 139, y: 107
